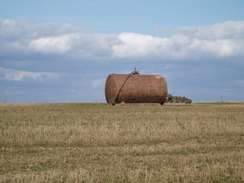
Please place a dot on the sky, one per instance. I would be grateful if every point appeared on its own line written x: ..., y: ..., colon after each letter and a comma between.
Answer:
x: 63, y: 51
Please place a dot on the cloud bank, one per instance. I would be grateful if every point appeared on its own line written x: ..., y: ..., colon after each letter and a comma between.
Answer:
x: 18, y: 75
x: 215, y: 41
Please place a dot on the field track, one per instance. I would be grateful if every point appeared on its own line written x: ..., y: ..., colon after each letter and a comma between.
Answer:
x: 78, y: 142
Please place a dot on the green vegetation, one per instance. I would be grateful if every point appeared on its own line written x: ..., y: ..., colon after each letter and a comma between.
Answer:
x: 122, y: 143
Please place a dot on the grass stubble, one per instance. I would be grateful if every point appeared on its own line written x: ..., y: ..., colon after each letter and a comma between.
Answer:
x: 78, y: 142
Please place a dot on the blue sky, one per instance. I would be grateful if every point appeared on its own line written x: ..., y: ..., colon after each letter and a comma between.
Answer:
x: 109, y: 16
x: 62, y: 51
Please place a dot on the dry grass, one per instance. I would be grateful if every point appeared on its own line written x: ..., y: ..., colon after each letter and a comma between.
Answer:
x: 124, y: 143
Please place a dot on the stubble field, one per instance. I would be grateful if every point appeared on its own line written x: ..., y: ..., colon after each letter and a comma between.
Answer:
x: 122, y: 143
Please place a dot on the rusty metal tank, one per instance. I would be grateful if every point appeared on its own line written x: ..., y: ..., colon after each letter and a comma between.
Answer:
x: 135, y: 88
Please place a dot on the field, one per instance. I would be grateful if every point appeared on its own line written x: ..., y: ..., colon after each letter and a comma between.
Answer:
x: 78, y: 142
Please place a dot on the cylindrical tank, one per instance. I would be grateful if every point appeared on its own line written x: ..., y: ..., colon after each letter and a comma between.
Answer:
x: 135, y: 88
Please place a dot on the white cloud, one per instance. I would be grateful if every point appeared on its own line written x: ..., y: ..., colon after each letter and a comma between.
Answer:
x: 54, y: 44
x: 226, y: 30
x: 138, y: 45
x: 216, y: 41
x: 18, y: 75
x: 98, y: 82
x: 19, y: 38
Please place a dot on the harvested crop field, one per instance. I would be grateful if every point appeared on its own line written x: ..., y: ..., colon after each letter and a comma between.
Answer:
x: 75, y: 142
